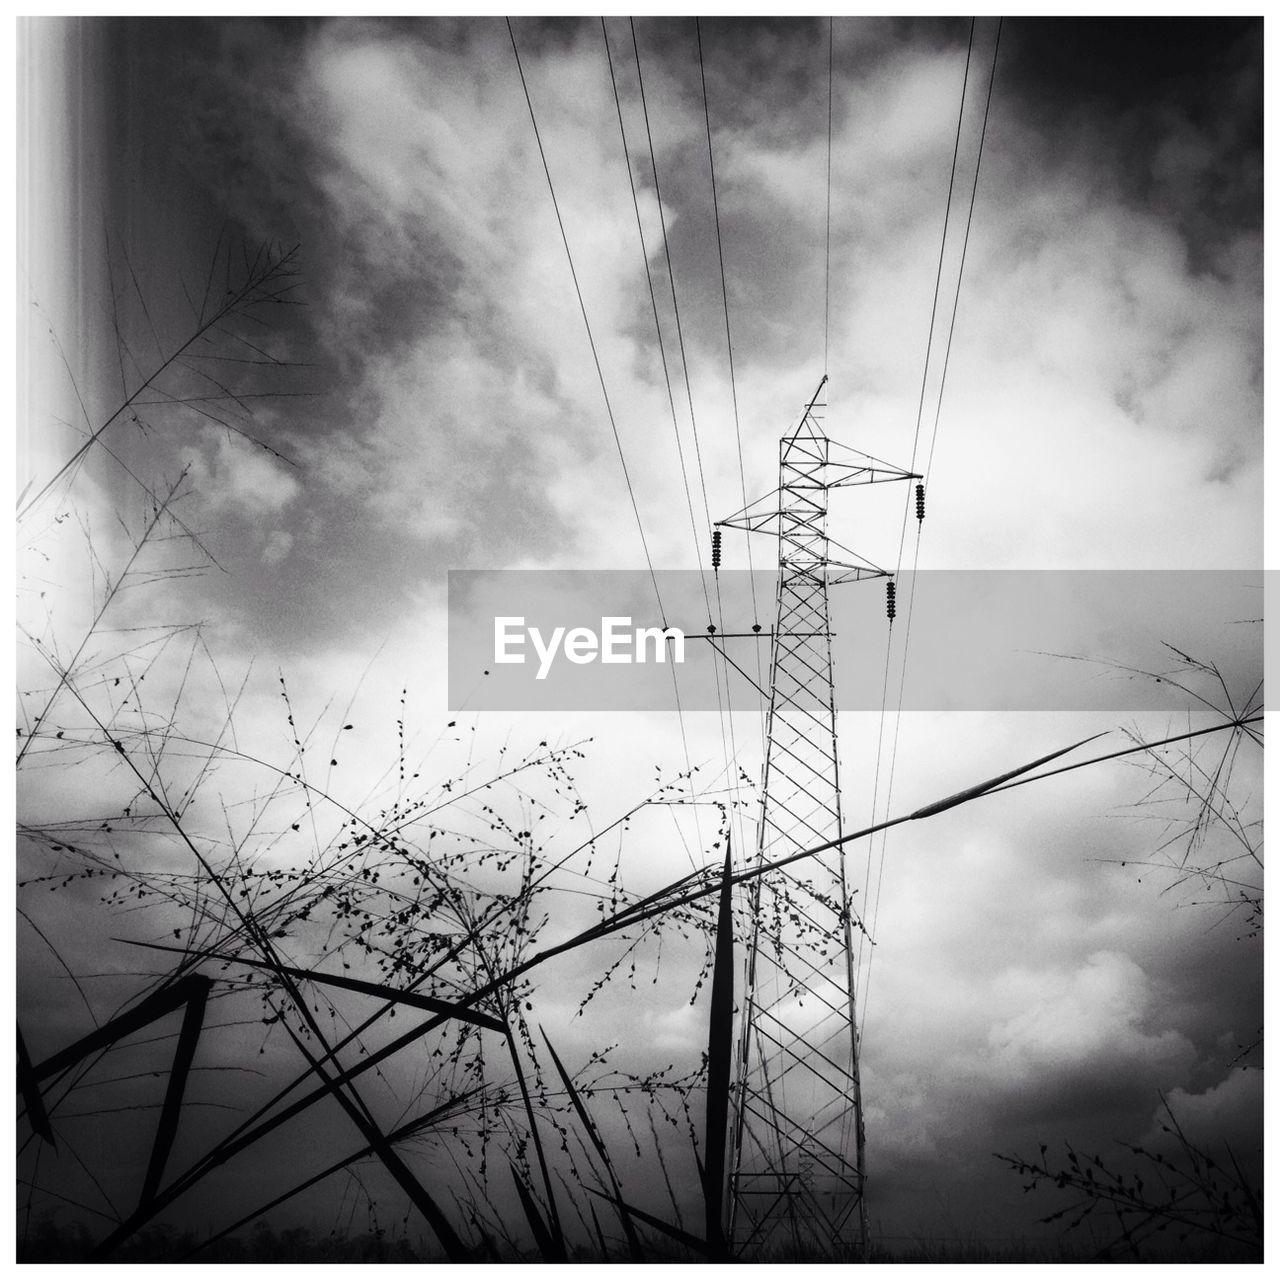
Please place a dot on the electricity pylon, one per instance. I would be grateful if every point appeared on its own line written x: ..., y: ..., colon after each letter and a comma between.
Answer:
x: 796, y: 1168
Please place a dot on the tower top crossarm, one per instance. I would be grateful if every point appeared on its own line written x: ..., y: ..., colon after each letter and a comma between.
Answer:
x: 761, y: 515
x: 817, y: 463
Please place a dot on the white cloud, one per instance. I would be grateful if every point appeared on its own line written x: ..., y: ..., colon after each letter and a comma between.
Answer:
x: 277, y: 546
x: 239, y: 476
x: 1088, y: 1019
x: 682, y: 1029
x: 1228, y: 1113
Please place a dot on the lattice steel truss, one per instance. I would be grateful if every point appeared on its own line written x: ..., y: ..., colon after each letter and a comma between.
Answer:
x: 796, y: 1167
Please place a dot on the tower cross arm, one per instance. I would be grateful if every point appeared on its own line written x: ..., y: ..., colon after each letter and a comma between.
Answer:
x: 842, y: 474
x: 853, y: 573
x: 752, y: 521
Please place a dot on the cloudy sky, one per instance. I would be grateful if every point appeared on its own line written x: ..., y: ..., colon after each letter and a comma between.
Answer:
x: 444, y: 410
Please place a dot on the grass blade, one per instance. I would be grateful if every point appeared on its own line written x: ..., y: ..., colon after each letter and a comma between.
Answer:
x: 141, y: 1015
x: 541, y: 1233
x: 719, y: 1055
x: 167, y: 1129
x: 972, y: 793
x: 684, y: 1237
x: 633, y: 1240
x: 555, y: 1231
x: 32, y: 1098
x: 379, y: 1144
x: 397, y: 1135
x: 595, y: 1222
x: 396, y: 995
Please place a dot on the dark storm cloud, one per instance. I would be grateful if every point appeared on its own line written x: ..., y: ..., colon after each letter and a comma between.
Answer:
x: 1104, y: 86
x: 217, y: 125
x: 1120, y: 65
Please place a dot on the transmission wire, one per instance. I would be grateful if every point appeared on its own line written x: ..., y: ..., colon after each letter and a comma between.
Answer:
x: 666, y: 373
x: 728, y: 338
x: 733, y: 388
x: 964, y: 248
x: 728, y: 741
x: 666, y: 247
x: 826, y: 328
x: 595, y: 355
x: 724, y: 696
x: 653, y: 299
x: 933, y: 441
x: 888, y: 653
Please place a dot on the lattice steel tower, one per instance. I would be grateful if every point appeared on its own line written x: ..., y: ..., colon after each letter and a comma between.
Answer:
x: 796, y: 1168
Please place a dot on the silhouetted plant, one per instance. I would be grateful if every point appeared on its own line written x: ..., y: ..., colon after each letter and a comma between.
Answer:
x: 1158, y: 1199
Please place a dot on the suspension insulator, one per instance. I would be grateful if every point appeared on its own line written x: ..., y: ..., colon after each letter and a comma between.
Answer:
x: 891, y: 599
x: 715, y: 548
x: 919, y: 501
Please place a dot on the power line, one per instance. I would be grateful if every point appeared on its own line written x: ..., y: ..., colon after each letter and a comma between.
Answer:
x: 942, y: 249
x: 964, y: 248
x: 973, y: 192
x: 724, y: 697
x: 915, y: 444
x: 724, y: 288
x: 595, y: 355
x: 728, y: 339
x: 666, y: 373
x: 653, y: 299
x: 596, y: 358
x: 666, y: 248
x: 826, y: 327
x: 737, y: 430
x: 729, y: 745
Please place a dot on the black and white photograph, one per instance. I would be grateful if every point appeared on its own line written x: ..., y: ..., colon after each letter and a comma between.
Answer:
x: 639, y: 639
